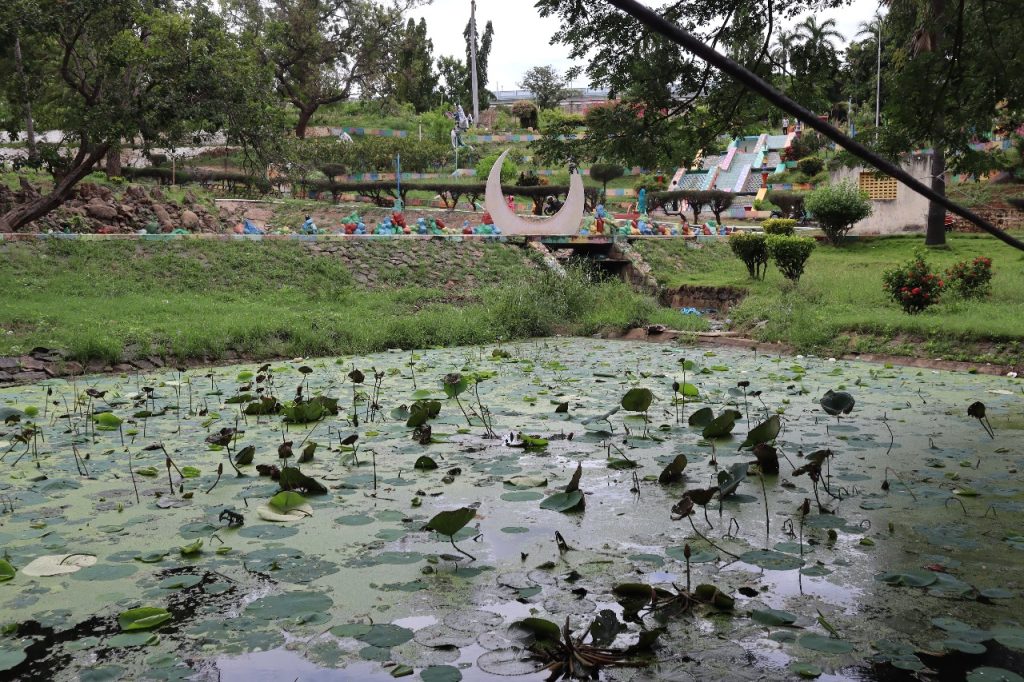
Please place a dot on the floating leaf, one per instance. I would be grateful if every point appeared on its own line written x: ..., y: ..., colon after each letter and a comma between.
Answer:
x: 286, y: 501
x: 385, y: 635
x: 7, y: 571
x: 451, y: 522
x: 773, y: 617
x: 440, y: 673
x: 563, y: 502
x: 771, y: 560
x: 637, y: 399
x: 828, y: 645
x: 989, y: 674
x: 912, y: 577
x: 57, y: 564
x: 143, y: 618
x: 805, y: 670
x: 425, y: 463
x: 837, y: 402
x: 192, y: 548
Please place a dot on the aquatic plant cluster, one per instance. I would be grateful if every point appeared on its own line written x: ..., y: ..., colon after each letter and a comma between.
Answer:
x: 561, y: 508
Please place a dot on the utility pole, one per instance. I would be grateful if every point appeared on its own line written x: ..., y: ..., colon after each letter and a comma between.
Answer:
x: 472, y: 59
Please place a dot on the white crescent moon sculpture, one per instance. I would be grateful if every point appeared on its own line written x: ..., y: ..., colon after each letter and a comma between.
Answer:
x: 566, y: 222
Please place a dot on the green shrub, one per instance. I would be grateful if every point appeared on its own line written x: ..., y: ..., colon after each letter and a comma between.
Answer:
x: 509, y: 169
x: 765, y: 205
x: 790, y: 254
x: 751, y: 248
x: 810, y: 166
x: 837, y: 208
x: 779, y: 226
x: 651, y: 183
x: 913, y: 285
x: 971, y: 279
x: 791, y: 203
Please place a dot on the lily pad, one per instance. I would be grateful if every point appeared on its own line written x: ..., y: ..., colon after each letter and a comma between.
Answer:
x: 771, y: 560
x: 827, y: 645
x: 912, y: 577
x: 773, y: 617
x: 385, y: 635
x: 143, y: 618
x: 57, y: 564
x: 563, y: 502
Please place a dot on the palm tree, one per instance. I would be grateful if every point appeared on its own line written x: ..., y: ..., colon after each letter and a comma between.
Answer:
x: 783, y: 46
x: 819, y: 35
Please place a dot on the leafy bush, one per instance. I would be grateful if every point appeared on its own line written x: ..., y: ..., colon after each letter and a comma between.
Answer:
x: 912, y: 285
x: 765, y: 205
x: 791, y: 203
x: 651, y: 183
x: 837, y: 208
x: 790, y: 254
x: 751, y: 248
x: 555, y: 118
x: 971, y: 279
x: 509, y: 169
x: 526, y: 112
x: 714, y: 199
x: 779, y: 226
x: 810, y: 166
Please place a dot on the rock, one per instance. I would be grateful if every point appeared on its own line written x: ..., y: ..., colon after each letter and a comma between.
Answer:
x: 96, y: 208
x: 162, y: 216
x: 156, y: 194
x: 9, y: 363
x: 189, y: 220
x: 31, y: 376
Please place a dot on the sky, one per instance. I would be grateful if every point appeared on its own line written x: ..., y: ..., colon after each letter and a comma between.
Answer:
x: 522, y: 38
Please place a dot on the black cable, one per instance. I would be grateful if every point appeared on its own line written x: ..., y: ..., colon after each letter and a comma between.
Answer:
x: 656, y: 23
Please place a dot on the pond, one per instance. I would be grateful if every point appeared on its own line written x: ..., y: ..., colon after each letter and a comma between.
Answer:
x: 889, y: 541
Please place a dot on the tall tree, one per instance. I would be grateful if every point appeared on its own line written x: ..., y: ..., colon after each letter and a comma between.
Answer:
x: 547, y: 85
x: 414, y: 79
x: 671, y: 103
x: 956, y: 67
x: 323, y: 51
x: 454, y: 79
x: 483, y: 53
x: 24, y: 89
x: 123, y: 69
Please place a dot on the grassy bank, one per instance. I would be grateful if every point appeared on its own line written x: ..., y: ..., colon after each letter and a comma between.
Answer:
x: 839, y: 305
x: 112, y: 300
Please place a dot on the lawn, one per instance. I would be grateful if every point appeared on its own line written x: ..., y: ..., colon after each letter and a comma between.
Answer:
x: 839, y: 304
x: 113, y: 300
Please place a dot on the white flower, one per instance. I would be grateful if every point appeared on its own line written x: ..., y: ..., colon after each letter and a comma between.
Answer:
x: 1012, y: 375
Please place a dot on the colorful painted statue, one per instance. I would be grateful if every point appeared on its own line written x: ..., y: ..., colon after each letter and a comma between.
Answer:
x: 641, y: 202
x: 309, y: 227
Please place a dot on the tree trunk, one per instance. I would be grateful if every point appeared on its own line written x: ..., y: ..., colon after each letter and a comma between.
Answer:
x: 300, y: 127
x: 30, y: 129
x: 22, y: 214
x: 113, y: 162
x: 936, y: 233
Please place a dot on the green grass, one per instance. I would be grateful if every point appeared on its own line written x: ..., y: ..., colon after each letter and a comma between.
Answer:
x: 115, y: 300
x: 839, y: 304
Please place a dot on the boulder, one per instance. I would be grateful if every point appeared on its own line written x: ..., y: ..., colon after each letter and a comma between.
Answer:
x: 96, y: 208
x: 189, y: 220
x: 162, y: 216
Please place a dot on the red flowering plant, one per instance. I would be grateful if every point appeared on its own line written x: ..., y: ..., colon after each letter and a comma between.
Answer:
x: 971, y: 279
x: 913, y: 285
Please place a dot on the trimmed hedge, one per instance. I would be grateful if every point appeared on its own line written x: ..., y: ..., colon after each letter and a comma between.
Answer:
x: 791, y: 203
x: 779, y: 226
x: 715, y: 200
x: 790, y: 254
x: 751, y: 248
x: 837, y: 208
